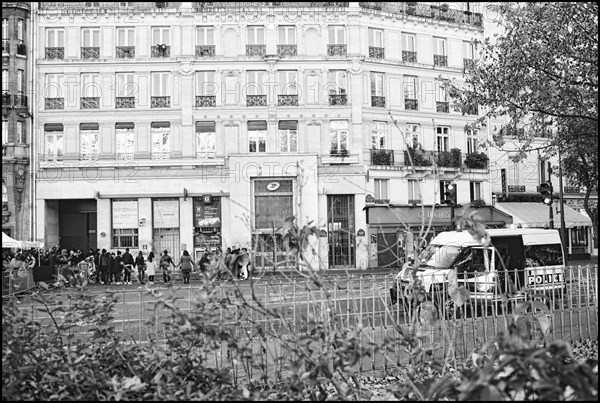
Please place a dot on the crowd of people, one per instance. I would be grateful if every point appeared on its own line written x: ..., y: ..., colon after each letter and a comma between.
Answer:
x: 110, y: 267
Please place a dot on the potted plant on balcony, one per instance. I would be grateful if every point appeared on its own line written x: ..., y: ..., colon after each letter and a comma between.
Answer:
x: 476, y: 160
x: 455, y: 157
x: 419, y: 157
x: 381, y: 157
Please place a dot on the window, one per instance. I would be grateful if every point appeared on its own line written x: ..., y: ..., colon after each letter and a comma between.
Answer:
x: 381, y: 189
x: 442, y: 138
x: 89, y: 133
x: 376, y: 38
x: 410, y: 87
x: 20, y: 133
x: 4, y: 81
x: 125, y: 224
x: 53, y: 133
x: 338, y: 133
x: 377, y: 84
x: 467, y: 50
x: 257, y: 136
x: 338, y: 82
x: 439, y: 46
x: 90, y: 37
x: 288, y: 136
x: 126, y: 86
x: 288, y: 84
x: 160, y: 36
x: 205, y: 36
x: 125, y: 238
x: 20, y: 29
x: 443, y: 185
x: 542, y: 170
x: 543, y: 255
x: 476, y: 193
x: 90, y: 85
x: 272, y: 207
x: 413, y: 135
x: 414, y: 191
x: 579, y: 236
x: 125, y: 36
x: 205, y: 139
x: 5, y: 29
x: 4, y: 198
x: 378, y: 135
x: 4, y: 131
x: 256, y: 35
x: 337, y: 35
x: 55, y: 38
x: 408, y: 42
x: 20, y: 77
x: 54, y: 85
x: 160, y: 84
x: 287, y: 35
x: 161, y: 146
x: 472, y: 140
x: 255, y: 83
x: 125, y: 140
x: 205, y: 83
x: 440, y: 93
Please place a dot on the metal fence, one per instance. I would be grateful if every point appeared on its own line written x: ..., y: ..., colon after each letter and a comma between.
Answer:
x: 363, y: 304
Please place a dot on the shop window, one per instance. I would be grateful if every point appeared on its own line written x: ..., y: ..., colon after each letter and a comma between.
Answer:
x: 273, y: 203
x: 579, y: 236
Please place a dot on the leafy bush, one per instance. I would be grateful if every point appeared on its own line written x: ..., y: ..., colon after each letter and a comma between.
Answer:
x: 476, y: 160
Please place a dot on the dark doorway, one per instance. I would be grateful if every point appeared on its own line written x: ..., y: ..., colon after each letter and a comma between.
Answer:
x: 77, y: 224
x: 340, y: 224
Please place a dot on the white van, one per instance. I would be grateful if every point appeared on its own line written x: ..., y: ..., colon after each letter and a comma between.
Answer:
x: 533, y: 259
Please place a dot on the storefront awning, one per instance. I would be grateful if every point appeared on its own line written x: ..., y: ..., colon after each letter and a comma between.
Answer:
x: 536, y: 215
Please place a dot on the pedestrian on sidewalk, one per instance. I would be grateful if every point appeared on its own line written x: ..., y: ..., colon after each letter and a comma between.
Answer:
x: 186, y: 263
x: 128, y: 263
x: 104, y: 266
x: 165, y: 264
x: 141, y: 266
x: 151, y: 267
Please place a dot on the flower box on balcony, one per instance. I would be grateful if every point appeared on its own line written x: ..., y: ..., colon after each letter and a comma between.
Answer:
x: 476, y: 160
x: 382, y: 157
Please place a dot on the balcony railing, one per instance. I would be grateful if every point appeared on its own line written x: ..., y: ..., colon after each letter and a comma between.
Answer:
x: 124, y: 156
x: 448, y: 159
x: 339, y: 152
x: 442, y: 107
x: 125, y: 52
x: 409, y: 56
x: 338, y: 99
x: 376, y: 53
x: 419, y: 157
x: 377, y: 101
x: 90, y: 102
x: 160, y: 51
x: 6, y: 99
x: 124, y: 102
x: 90, y: 53
x: 411, y: 104
x: 160, y: 102
x: 256, y: 50
x: 426, y: 11
x: 337, y: 50
x: 468, y: 64
x: 205, y: 50
x: 55, y: 53
x: 109, y: 5
x: 5, y: 60
x: 5, y: 46
x: 21, y: 100
x: 54, y: 103
x: 440, y: 60
x: 382, y: 157
x: 287, y: 50
x: 206, y: 101
x: 161, y: 155
x: 88, y: 156
x: 287, y: 100
x: 21, y: 48
x: 256, y: 100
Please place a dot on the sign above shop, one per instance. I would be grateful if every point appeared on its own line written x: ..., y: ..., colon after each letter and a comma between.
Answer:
x: 273, y: 186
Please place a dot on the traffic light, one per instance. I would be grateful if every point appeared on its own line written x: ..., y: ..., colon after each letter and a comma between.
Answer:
x: 450, y: 194
x: 546, y: 192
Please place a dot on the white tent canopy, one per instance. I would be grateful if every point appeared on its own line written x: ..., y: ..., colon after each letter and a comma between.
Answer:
x: 8, y: 242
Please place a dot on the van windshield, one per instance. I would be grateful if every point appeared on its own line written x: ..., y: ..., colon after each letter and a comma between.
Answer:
x: 439, y: 256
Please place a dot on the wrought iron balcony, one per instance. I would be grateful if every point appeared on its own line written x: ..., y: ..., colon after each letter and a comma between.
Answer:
x: 377, y: 101
x: 419, y: 157
x: 125, y: 52
x: 468, y: 64
x: 90, y: 102
x: 206, y: 101
x: 287, y: 50
x: 124, y: 156
x: 88, y: 156
x: 160, y: 51
x: 161, y: 155
x: 409, y: 56
x: 21, y: 48
x: 205, y: 50
x: 376, y: 53
x: 287, y: 100
x: 6, y: 99
x: 5, y: 60
x: 337, y: 50
x: 338, y: 99
x: 440, y: 60
x: 425, y: 11
x: 21, y: 100
x: 160, y: 102
x: 382, y: 157
x: 5, y: 46
x: 256, y: 100
x: 125, y: 102
x: 55, y: 103
x: 339, y: 152
x: 90, y: 53
x: 448, y: 159
x: 442, y: 107
x: 411, y: 104
x: 55, y: 53
x: 256, y: 50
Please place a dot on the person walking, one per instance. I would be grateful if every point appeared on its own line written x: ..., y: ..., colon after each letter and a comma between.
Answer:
x: 165, y: 264
x: 119, y: 266
x: 104, y: 261
x: 141, y: 266
x: 186, y: 263
x: 128, y: 264
x: 243, y: 264
x: 151, y: 267
x: 112, y: 269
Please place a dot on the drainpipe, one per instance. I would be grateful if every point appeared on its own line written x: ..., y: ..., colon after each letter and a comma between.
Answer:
x: 32, y: 159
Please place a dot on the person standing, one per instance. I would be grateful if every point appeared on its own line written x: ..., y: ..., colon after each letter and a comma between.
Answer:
x: 243, y: 264
x: 151, y: 267
x: 165, y: 264
x: 128, y: 263
x: 141, y: 266
x: 187, y: 264
x: 111, y: 267
x: 119, y: 270
x: 104, y: 261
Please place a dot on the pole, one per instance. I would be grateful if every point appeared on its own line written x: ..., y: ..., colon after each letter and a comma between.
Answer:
x: 563, y: 229
x: 452, y: 223
x: 551, y: 212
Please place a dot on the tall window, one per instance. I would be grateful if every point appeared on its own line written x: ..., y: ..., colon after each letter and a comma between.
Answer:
x: 408, y: 42
x: 414, y: 190
x: 205, y: 36
x: 55, y: 38
x: 160, y: 84
x: 255, y: 84
x: 337, y: 35
x: 125, y: 223
x: 20, y: 29
x: 126, y: 86
x: 376, y: 38
x: 161, y: 145
x: 288, y: 82
x: 338, y: 82
x: 4, y: 131
x: 256, y: 35
x: 377, y: 84
x: 338, y: 133
x: 440, y: 47
x: 287, y: 35
x: 53, y: 132
x: 125, y: 140
x: 54, y: 85
x: 5, y: 28
x: 89, y: 133
x: 442, y: 191
x: 90, y: 37
x: 467, y: 50
x: 20, y: 132
x: 160, y: 36
x: 5, y: 81
x: 126, y: 36
x: 476, y: 193
x: 440, y: 92
x: 442, y: 138
x: 90, y: 85
x: 20, y: 81
x: 205, y: 83
x: 410, y: 87
x: 257, y: 136
x: 381, y: 189
x: 379, y: 135
x: 413, y: 135
x: 472, y: 140
x: 288, y: 136
x: 205, y: 139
